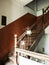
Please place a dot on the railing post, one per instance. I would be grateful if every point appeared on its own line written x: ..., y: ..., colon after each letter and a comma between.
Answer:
x: 16, y: 54
x: 43, y: 19
x: 15, y: 45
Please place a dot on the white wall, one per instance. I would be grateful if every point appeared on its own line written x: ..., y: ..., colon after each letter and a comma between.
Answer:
x: 13, y: 9
x: 25, y: 61
x: 24, y: 2
x: 47, y: 30
x: 39, y: 13
x: 44, y: 43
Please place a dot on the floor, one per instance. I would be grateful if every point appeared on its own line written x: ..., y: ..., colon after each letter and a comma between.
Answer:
x: 9, y: 63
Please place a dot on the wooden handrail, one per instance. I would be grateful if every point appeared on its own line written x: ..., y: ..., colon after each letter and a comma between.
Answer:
x: 44, y: 11
x: 33, y: 54
x: 35, y: 43
x: 21, y: 37
x: 31, y: 27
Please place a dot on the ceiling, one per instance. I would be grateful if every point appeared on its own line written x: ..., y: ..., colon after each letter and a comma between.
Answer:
x: 38, y: 4
x: 25, y: 2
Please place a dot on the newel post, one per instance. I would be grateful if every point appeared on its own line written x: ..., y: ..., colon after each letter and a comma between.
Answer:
x: 15, y: 45
x: 15, y: 39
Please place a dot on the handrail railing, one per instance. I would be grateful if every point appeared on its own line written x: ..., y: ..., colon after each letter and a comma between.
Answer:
x: 46, y: 9
x: 31, y: 27
x: 44, y: 12
x: 20, y: 38
x: 33, y: 46
x: 33, y: 54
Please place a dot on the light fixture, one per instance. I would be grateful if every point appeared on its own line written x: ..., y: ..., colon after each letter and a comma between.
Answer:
x: 28, y: 31
x: 22, y: 42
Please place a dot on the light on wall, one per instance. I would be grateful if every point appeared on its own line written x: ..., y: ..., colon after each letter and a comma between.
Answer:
x: 23, y: 42
x: 28, y: 31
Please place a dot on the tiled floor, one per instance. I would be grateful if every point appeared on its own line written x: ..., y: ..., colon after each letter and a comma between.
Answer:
x: 12, y: 61
x: 9, y: 63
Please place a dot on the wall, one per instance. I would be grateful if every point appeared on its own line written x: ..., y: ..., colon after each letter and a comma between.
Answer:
x: 44, y: 43
x: 39, y: 13
x: 47, y: 30
x: 24, y: 2
x: 16, y: 27
x: 25, y: 61
x: 13, y: 10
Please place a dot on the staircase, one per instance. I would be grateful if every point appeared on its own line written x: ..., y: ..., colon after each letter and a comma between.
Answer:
x: 31, y: 41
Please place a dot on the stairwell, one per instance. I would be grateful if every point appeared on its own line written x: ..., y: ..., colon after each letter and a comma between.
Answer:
x: 9, y: 31
x: 31, y: 41
x: 7, y: 34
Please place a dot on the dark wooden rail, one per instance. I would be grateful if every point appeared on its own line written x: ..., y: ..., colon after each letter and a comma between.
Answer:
x: 46, y: 9
x: 45, y: 17
x: 36, y: 41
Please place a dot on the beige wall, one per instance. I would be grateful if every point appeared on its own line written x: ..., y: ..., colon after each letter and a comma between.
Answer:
x: 13, y: 9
